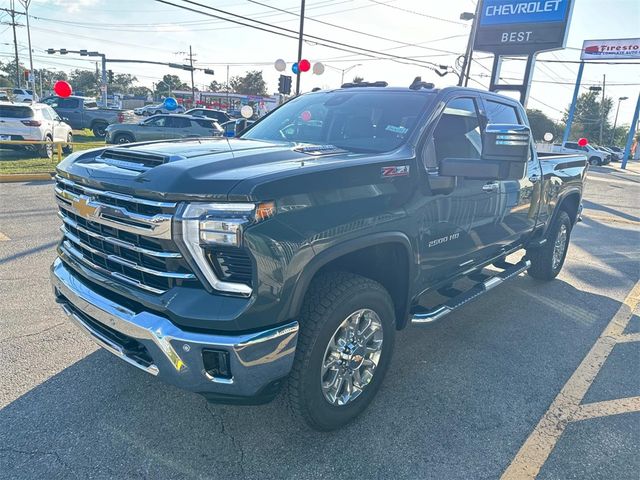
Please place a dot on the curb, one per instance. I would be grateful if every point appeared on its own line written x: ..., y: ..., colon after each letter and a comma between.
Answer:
x: 26, y: 177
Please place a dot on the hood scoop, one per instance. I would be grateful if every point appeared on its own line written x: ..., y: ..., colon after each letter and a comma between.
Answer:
x: 138, y: 161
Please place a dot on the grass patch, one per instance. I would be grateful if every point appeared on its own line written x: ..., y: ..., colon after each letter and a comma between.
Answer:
x: 28, y: 161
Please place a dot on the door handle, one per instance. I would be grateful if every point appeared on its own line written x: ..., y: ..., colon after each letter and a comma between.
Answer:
x: 534, y: 178
x: 490, y: 187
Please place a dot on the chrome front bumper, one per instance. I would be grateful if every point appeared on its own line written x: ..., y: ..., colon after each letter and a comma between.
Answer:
x: 256, y: 359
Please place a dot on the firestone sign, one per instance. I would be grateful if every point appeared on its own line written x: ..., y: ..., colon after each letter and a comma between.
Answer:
x: 619, y: 49
x: 520, y: 27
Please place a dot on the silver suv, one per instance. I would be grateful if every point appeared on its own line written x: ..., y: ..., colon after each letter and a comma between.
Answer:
x: 163, y: 127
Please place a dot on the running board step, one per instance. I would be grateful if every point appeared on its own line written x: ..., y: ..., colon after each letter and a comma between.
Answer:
x: 428, y: 316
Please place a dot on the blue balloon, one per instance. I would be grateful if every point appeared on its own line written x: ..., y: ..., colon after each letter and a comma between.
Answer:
x: 295, y: 68
x: 170, y: 103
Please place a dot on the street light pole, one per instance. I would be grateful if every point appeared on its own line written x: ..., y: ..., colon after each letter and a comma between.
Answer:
x: 615, y: 122
x: 466, y: 64
x: 300, y: 37
x: 604, y: 84
x: 32, y: 76
x: 348, y: 69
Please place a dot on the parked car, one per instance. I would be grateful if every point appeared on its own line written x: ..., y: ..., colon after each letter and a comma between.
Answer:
x: 35, y: 121
x: 163, y: 127
x: 619, y: 152
x: 148, y: 110
x: 595, y: 156
x: 233, y: 267
x: 218, y: 115
x: 233, y: 128
x: 4, y: 96
x: 24, y: 95
x: 83, y: 112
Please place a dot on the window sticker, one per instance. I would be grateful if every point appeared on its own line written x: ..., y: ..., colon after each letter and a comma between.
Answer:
x: 396, y: 129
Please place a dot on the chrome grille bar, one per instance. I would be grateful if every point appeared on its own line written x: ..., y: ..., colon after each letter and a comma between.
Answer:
x: 157, y: 226
x: 123, y: 261
x: 116, y: 241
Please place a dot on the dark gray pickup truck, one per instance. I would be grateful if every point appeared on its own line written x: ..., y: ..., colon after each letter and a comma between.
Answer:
x: 82, y: 112
x: 291, y: 255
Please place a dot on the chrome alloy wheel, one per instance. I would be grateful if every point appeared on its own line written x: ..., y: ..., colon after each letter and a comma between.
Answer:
x: 351, y: 357
x: 559, y: 246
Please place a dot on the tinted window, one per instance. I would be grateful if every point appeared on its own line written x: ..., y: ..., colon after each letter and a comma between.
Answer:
x: 178, y: 122
x: 11, y: 111
x: 17, y: 91
x: 359, y: 120
x: 203, y: 123
x: 573, y: 146
x: 501, y: 113
x: 91, y: 104
x: 457, y: 134
x: 66, y: 103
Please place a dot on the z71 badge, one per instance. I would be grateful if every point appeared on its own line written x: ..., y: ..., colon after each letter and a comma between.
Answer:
x: 395, y: 171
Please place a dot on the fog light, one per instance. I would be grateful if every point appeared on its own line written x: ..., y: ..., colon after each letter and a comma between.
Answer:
x: 216, y: 363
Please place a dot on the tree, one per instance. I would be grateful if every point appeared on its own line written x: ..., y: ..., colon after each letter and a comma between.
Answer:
x: 169, y: 83
x: 541, y: 124
x: 122, y: 83
x: 217, y: 87
x: 251, y: 83
x: 140, y: 91
x: 358, y: 79
x: 588, y: 116
x: 85, y: 82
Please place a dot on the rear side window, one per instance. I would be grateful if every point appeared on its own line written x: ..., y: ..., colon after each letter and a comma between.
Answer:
x: 501, y: 113
x: 66, y: 103
x: 203, y: 123
x: 46, y: 114
x: 11, y: 111
x: 178, y: 122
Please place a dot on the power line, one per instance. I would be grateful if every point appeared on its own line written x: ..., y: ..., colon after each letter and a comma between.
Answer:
x: 293, y: 35
x: 413, y: 12
x: 359, y: 32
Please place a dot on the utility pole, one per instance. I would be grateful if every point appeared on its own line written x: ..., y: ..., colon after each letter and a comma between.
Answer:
x: 228, y: 89
x: 12, y: 12
x: 32, y: 76
x: 193, y: 87
x: 604, y: 83
x: 300, y: 38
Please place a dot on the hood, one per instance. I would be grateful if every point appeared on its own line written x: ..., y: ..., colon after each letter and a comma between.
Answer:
x: 182, y: 170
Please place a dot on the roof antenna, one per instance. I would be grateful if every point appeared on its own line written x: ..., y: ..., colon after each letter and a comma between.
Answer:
x: 417, y: 84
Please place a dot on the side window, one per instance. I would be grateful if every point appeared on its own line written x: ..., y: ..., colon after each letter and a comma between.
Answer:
x: 46, y: 114
x: 68, y: 103
x: 178, y: 122
x: 573, y: 146
x: 203, y: 124
x: 157, y: 122
x: 457, y: 134
x: 501, y: 113
x: 53, y: 113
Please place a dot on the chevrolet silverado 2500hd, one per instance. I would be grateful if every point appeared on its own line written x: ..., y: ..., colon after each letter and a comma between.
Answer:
x: 291, y: 255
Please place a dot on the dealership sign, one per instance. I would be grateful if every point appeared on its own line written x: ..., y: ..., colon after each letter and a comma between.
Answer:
x: 520, y: 27
x: 620, y: 49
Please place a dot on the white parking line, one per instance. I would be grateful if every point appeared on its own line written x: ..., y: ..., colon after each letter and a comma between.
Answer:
x: 3, y: 237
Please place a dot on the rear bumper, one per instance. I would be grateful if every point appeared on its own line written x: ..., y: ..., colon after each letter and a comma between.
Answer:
x: 257, y: 361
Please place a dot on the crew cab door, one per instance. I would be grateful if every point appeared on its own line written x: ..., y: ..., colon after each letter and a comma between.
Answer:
x: 519, y: 197
x: 459, y: 212
x: 69, y: 108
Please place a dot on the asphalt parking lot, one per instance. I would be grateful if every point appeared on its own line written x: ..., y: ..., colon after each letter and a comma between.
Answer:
x: 533, y: 379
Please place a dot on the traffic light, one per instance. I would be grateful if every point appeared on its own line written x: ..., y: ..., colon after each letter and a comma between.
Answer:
x: 63, y: 51
x: 208, y: 71
x: 284, y: 84
x: 110, y: 76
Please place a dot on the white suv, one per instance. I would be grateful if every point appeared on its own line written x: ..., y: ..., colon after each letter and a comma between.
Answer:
x: 35, y: 121
x: 23, y: 95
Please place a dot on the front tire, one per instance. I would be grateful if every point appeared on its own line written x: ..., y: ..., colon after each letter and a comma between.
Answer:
x: 345, y: 344
x: 46, y: 150
x: 123, y: 138
x: 68, y: 148
x: 594, y: 161
x: 547, y: 261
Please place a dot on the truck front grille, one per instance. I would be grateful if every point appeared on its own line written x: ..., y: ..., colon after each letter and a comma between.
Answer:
x: 124, y: 237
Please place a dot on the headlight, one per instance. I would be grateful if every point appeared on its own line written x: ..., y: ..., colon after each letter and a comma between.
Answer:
x: 206, y: 225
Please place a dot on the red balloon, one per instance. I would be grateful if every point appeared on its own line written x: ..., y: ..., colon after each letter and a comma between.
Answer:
x: 304, y: 65
x: 305, y: 116
x: 62, y: 89
x: 583, y: 142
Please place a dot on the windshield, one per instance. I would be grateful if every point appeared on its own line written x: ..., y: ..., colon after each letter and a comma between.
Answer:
x: 360, y: 121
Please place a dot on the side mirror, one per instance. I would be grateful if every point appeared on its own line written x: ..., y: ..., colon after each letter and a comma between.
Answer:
x: 506, y: 142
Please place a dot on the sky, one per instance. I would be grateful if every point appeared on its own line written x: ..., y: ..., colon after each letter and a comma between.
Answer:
x: 420, y: 30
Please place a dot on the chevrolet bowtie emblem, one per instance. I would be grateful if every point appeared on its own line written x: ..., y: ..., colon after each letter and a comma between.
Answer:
x: 81, y: 205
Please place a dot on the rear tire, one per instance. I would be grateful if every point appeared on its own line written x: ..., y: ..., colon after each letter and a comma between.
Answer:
x: 99, y: 130
x: 46, y: 150
x: 327, y: 389
x: 547, y: 261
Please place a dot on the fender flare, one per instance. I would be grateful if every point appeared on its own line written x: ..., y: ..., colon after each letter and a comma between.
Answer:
x: 561, y: 199
x: 325, y: 257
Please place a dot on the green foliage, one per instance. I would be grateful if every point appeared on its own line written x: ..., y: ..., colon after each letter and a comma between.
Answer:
x: 358, y: 79
x: 122, y: 83
x: 217, y: 87
x: 86, y: 82
x: 541, y: 124
x: 588, y: 116
x: 250, y: 84
x: 169, y: 83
